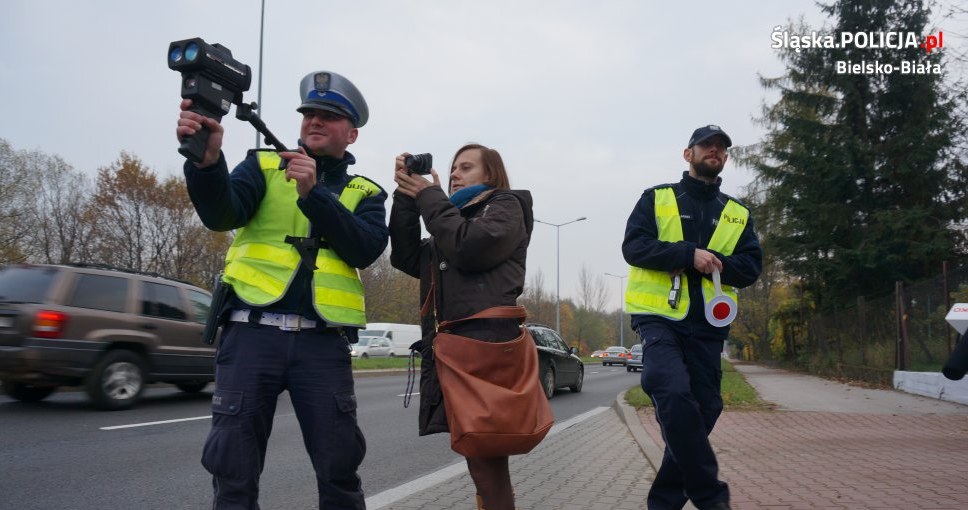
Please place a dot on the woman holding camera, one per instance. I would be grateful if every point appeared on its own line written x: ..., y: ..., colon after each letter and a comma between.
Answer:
x: 473, y: 260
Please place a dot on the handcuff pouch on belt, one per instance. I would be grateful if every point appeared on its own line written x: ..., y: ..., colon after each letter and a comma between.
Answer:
x: 220, y: 295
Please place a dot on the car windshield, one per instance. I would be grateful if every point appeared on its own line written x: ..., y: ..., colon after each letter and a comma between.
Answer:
x: 364, y: 341
x: 637, y: 348
x: 25, y: 284
x: 615, y: 349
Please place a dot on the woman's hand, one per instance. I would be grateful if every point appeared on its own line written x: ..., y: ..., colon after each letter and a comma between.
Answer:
x: 411, y: 184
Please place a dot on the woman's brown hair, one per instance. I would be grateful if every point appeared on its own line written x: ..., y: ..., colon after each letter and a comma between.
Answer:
x: 497, y: 176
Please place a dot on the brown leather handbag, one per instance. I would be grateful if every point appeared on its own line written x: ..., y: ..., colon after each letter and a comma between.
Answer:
x: 494, y: 403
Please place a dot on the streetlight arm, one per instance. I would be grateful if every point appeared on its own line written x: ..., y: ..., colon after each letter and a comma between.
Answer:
x: 621, y: 315
x: 558, y: 267
x: 560, y: 224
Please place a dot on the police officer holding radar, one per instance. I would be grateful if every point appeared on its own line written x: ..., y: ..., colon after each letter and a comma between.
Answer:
x: 297, y: 300
x: 679, y: 240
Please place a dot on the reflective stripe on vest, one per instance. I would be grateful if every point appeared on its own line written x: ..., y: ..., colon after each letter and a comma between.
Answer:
x: 261, y: 266
x: 648, y: 289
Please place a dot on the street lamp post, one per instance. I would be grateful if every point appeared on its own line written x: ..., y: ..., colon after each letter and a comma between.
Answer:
x: 262, y: 29
x: 558, y: 267
x: 621, y: 308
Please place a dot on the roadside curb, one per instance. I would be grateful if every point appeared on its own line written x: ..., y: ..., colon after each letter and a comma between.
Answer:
x: 628, y: 415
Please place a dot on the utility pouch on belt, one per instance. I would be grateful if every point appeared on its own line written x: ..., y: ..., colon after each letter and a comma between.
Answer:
x: 219, y: 296
x: 675, y: 292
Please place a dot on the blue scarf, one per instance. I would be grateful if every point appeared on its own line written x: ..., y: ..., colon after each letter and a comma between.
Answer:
x: 464, y: 195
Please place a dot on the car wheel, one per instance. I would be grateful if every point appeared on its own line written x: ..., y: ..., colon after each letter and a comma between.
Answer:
x: 364, y: 356
x: 26, y: 392
x: 117, y: 381
x: 576, y: 388
x: 392, y: 355
x: 548, y: 382
x: 628, y: 369
x: 191, y: 387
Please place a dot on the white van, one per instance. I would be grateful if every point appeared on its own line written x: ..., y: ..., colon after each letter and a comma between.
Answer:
x: 401, y: 336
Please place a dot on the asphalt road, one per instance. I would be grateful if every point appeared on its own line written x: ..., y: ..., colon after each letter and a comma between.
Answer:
x: 62, y: 454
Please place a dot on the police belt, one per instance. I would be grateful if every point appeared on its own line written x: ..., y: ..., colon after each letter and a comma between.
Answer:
x: 283, y: 321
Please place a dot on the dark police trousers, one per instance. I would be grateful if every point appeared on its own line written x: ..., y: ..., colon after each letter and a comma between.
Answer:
x: 682, y: 375
x: 254, y: 364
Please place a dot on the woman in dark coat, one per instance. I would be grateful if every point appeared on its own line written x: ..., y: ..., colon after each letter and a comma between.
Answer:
x: 475, y: 257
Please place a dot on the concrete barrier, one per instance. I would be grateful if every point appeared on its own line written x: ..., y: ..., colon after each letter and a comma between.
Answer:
x: 932, y: 384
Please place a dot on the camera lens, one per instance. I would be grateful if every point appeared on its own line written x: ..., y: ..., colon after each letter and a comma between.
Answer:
x: 191, y: 51
x: 176, y: 54
x: 419, y: 163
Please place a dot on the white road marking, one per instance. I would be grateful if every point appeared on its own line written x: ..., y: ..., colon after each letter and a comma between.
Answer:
x: 150, y: 423
x: 165, y: 422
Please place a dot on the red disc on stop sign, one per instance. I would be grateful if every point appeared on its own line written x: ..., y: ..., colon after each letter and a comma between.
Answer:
x: 720, y: 310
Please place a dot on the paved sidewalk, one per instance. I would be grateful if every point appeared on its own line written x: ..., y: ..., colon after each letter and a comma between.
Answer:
x: 835, y: 446
x: 826, y: 446
x: 592, y: 464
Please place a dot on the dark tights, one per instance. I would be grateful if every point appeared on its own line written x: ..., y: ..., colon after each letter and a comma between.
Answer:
x: 493, y: 481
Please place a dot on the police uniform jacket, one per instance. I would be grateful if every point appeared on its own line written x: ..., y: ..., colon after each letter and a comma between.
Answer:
x: 227, y: 201
x: 700, y: 205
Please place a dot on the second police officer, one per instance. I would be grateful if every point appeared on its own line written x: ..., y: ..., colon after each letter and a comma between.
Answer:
x: 677, y: 236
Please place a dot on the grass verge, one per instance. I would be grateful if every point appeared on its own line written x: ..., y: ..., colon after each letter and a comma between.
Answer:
x: 738, y: 395
x: 382, y: 363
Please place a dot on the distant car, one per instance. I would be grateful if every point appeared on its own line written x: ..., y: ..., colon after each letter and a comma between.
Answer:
x: 615, y: 355
x: 400, y: 336
x: 597, y: 354
x: 372, y: 347
x: 634, y: 361
x: 558, y: 365
x: 108, y: 330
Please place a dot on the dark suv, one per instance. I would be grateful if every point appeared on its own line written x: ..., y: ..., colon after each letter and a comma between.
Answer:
x: 558, y: 365
x: 108, y: 330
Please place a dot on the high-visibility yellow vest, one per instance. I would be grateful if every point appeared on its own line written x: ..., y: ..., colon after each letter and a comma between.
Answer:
x: 648, y: 289
x: 261, y: 266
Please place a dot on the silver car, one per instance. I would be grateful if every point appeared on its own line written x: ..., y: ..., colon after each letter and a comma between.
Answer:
x: 615, y: 355
x: 634, y: 361
x: 371, y: 347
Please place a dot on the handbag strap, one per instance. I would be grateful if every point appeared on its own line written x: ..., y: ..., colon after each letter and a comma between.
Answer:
x: 494, y: 312
x: 432, y: 299
x: 430, y: 303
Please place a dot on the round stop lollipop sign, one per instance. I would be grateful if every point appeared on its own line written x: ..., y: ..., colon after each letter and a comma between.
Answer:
x: 720, y: 310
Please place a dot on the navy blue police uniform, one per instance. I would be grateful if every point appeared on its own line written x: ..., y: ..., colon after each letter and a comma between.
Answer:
x: 681, y: 358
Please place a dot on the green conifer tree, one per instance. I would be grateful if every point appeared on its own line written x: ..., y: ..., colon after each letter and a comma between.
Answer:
x: 864, y: 170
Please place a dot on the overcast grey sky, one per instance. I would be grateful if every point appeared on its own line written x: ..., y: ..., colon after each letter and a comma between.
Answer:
x: 588, y: 102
